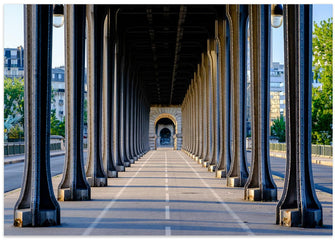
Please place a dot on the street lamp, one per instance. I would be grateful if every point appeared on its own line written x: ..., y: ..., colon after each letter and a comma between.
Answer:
x: 58, y: 16
x: 276, y: 15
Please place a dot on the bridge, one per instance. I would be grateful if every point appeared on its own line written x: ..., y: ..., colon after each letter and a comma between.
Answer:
x: 166, y: 89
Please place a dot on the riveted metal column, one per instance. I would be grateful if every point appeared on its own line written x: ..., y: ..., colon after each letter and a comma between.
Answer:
x: 298, y: 205
x: 136, y: 128
x: 210, y: 106
x: 131, y: 119
x: 109, y: 163
x: 238, y: 173
x: 127, y: 118
x: 95, y: 173
x: 260, y: 185
x: 122, y: 108
x: 214, y: 108
x: 196, y: 120
x: 119, y: 165
x: 73, y: 185
x: 37, y: 205
x: 204, y: 108
x: 192, y: 132
x: 199, y: 113
x: 225, y: 130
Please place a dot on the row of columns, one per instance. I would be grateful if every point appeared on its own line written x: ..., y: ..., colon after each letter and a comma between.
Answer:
x: 213, y: 110
x: 118, y: 112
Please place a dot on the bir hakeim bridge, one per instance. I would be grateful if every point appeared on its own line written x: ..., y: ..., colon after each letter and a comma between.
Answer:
x: 168, y: 77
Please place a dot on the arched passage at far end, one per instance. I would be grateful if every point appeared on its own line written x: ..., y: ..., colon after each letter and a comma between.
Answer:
x: 167, y: 124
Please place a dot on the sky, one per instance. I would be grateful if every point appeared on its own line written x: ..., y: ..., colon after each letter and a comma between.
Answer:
x: 13, y: 32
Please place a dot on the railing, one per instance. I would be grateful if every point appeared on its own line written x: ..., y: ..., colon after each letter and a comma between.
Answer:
x: 317, y: 150
x: 18, y: 148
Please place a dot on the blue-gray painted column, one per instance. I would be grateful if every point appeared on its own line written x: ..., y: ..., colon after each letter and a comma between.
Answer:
x: 37, y: 205
x: 205, y: 124
x: 73, y: 185
x: 298, y: 205
x: 116, y: 104
x: 213, y: 57
x: 110, y: 163
x: 260, y: 185
x: 95, y: 174
x: 237, y: 15
x: 225, y: 130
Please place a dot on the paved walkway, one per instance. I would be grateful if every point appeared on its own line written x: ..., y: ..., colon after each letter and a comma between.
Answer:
x: 167, y: 193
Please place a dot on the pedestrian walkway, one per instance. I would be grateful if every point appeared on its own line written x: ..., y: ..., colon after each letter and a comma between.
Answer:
x: 167, y: 193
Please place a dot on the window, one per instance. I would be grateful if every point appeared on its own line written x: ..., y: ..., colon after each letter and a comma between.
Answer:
x: 59, y: 76
x: 13, y: 53
x: 13, y: 61
x: 61, y: 102
x: 53, y: 76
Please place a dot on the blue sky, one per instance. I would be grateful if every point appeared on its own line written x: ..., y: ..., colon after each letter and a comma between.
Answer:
x: 13, y: 31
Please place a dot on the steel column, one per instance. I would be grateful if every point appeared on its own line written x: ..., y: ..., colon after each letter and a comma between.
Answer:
x: 95, y: 173
x: 73, y: 185
x: 37, y: 205
x: 298, y: 205
x: 238, y: 173
x: 214, y: 88
x: 225, y: 130
x: 260, y: 185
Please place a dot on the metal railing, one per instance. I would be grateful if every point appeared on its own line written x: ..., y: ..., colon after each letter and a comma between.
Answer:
x: 18, y: 148
x: 317, y: 150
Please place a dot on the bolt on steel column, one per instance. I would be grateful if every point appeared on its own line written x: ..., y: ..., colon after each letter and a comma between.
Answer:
x: 299, y: 205
x: 237, y: 16
x: 260, y: 185
x: 37, y: 205
x: 73, y: 185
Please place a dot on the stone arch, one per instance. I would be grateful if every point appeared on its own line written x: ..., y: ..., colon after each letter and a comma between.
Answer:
x: 174, y: 114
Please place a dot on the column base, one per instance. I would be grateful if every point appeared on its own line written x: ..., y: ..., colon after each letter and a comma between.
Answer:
x: 132, y: 161
x: 200, y: 161
x: 135, y: 158
x: 23, y: 218
x: 97, y: 182
x: 211, y: 168
x: 196, y: 158
x: 254, y: 194
x: 220, y: 174
x: 112, y: 174
x: 81, y: 195
x: 236, y: 181
x: 120, y: 168
x: 205, y: 164
x: 292, y: 218
x: 126, y: 164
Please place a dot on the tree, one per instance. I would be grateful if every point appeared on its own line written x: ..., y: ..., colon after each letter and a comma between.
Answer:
x: 14, y: 99
x: 57, y: 127
x: 278, y: 128
x: 322, y: 97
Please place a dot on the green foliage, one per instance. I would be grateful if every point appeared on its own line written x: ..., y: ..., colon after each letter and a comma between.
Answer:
x: 322, y: 98
x: 57, y: 127
x: 16, y: 133
x: 14, y: 98
x: 278, y: 128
